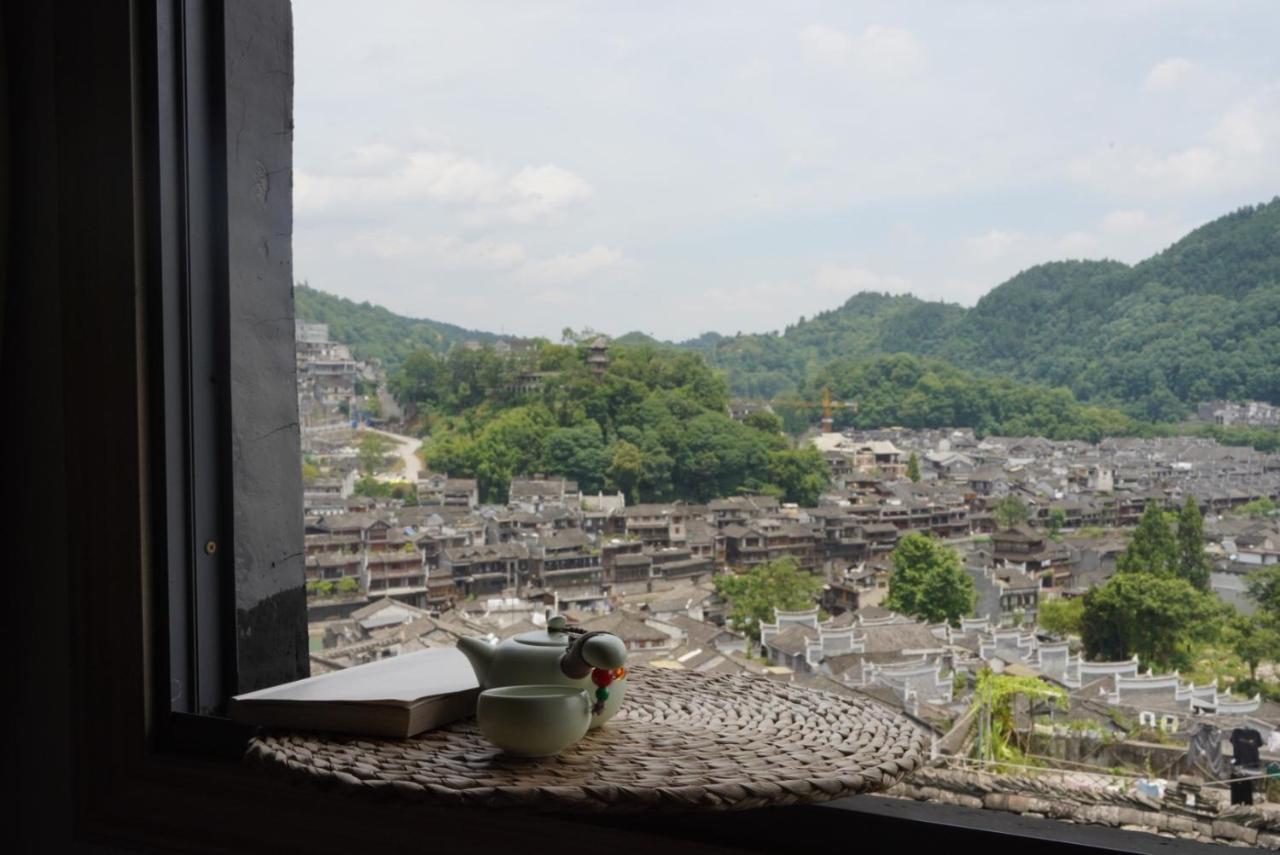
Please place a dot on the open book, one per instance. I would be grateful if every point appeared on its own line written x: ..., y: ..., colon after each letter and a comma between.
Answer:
x: 399, y: 696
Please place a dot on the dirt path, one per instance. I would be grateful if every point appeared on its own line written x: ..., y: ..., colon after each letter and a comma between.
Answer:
x: 406, y: 446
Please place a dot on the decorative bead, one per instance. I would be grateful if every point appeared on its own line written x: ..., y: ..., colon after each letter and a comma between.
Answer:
x: 601, y: 677
x: 619, y: 673
x: 602, y: 694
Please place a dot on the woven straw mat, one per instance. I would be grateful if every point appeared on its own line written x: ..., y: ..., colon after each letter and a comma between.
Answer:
x: 681, y: 741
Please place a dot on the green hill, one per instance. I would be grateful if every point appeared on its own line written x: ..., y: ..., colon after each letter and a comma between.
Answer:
x: 374, y: 332
x: 1199, y: 320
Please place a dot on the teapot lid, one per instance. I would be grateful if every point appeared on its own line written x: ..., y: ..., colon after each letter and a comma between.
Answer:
x: 553, y: 636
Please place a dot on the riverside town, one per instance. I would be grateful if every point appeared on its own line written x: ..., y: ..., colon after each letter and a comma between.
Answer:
x: 1077, y: 605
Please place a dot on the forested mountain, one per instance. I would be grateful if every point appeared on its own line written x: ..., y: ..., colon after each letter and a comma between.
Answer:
x: 655, y: 423
x: 920, y: 392
x: 1199, y: 320
x: 374, y: 332
x: 766, y: 365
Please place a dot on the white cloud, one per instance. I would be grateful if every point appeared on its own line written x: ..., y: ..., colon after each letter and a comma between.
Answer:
x: 1125, y: 221
x: 571, y: 266
x: 1235, y: 153
x: 538, y: 191
x: 879, y: 52
x: 441, y: 251
x: 1249, y: 126
x: 379, y: 244
x: 554, y: 297
x: 825, y: 45
x: 1167, y: 74
x: 1192, y: 167
x: 890, y: 51
x: 1075, y: 244
x: 834, y: 279
x: 376, y: 176
x: 993, y: 245
x: 481, y: 254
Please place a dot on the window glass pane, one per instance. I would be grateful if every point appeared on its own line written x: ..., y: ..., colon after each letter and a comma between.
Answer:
x: 926, y: 354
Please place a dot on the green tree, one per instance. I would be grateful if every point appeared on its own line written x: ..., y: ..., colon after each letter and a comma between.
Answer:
x: 801, y: 473
x: 764, y: 421
x: 754, y: 594
x: 626, y: 468
x: 1152, y: 548
x: 1157, y: 617
x: 1061, y: 616
x: 1260, y: 507
x: 1057, y: 519
x: 929, y: 582
x: 913, y: 467
x: 348, y: 585
x: 1254, y: 639
x: 1011, y: 512
x: 310, y: 472
x: 993, y: 705
x: 579, y: 453
x: 1193, y: 564
x: 1263, y: 587
x: 372, y: 449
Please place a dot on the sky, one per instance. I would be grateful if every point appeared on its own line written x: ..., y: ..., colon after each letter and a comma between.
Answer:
x: 677, y: 168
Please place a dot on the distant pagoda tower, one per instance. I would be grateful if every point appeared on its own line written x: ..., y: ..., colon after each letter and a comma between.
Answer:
x: 598, y: 358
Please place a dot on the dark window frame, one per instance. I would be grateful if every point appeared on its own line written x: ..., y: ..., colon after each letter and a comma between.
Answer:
x: 225, y: 413
x: 171, y: 348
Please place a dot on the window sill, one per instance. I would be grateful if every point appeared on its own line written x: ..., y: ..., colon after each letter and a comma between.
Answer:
x: 199, y: 803
x: 206, y: 770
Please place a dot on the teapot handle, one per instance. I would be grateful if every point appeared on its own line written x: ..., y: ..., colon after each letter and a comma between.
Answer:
x: 572, y: 663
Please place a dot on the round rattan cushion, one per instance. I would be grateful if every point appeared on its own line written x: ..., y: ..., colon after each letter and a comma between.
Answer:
x: 682, y: 741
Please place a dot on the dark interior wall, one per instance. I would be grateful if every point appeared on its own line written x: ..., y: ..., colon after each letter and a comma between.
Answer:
x: 45, y: 251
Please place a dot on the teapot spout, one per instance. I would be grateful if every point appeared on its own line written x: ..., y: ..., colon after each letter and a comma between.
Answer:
x: 480, y: 654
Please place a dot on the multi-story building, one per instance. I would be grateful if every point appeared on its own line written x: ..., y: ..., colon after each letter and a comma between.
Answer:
x: 532, y: 495
x: 769, y: 540
x: 438, y: 490
x: 487, y: 570
x: 657, y: 525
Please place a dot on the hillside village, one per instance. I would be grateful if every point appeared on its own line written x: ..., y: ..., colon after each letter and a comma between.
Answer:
x: 388, y: 576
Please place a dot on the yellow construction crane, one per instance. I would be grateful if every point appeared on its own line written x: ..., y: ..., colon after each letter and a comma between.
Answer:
x: 827, y: 405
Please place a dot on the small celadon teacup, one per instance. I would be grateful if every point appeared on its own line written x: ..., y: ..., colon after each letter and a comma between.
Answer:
x: 534, y: 721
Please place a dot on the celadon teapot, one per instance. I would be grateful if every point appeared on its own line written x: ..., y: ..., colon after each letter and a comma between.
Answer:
x: 560, y: 655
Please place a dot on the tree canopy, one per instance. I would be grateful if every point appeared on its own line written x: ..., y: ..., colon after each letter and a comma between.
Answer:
x: 913, y: 467
x: 1158, y: 617
x: 928, y: 581
x: 754, y: 594
x: 1151, y: 548
x: 655, y: 425
x: 1264, y: 589
x: 1193, y: 564
x: 1154, y: 548
x: 1010, y: 512
x: 1061, y: 616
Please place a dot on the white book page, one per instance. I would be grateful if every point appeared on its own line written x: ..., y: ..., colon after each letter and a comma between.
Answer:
x: 404, y: 678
